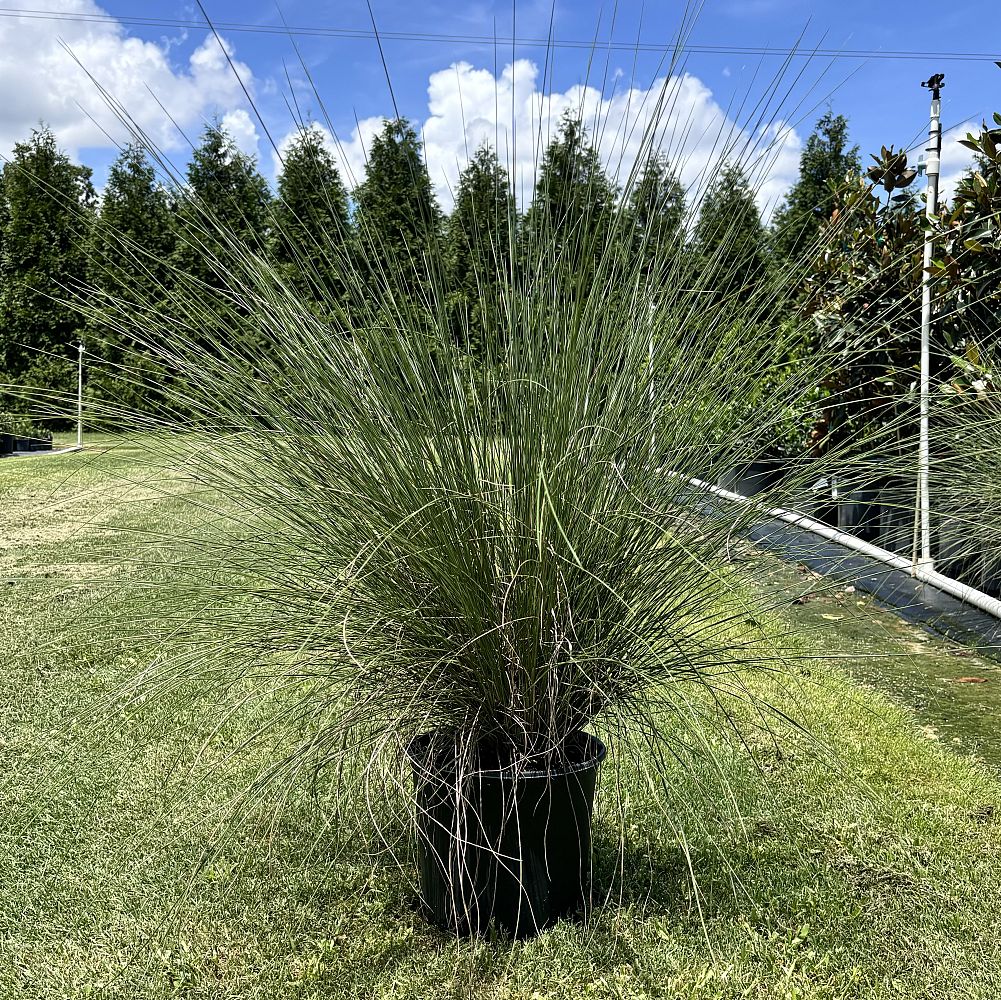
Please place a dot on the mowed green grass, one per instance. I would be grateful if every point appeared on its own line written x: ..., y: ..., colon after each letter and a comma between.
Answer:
x: 866, y: 862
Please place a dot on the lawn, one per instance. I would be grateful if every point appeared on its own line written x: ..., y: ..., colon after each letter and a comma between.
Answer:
x: 859, y: 858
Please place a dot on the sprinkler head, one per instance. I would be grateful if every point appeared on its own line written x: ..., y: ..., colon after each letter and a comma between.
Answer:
x: 934, y: 83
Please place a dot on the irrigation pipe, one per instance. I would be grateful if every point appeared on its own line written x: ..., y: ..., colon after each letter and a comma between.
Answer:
x: 968, y: 595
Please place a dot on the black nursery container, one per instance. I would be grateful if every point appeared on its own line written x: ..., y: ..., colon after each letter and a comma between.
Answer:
x: 24, y: 444
x: 514, y: 849
x: 859, y: 510
x: 754, y: 477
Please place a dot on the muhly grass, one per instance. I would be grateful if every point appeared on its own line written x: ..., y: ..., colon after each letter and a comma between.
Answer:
x: 408, y: 516
x: 379, y: 534
x: 965, y: 465
x: 850, y: 857
x: 393, y: 541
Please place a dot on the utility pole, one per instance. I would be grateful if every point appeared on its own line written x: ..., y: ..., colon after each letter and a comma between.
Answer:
x: 79, y: 396
x: 934, y: 84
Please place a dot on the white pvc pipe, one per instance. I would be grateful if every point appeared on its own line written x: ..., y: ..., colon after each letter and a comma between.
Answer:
x: 964, y: 593
x: 931, y: 207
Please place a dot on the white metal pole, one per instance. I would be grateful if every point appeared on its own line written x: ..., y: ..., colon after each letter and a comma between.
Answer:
x: 79, y: 397
x: 933, y: 165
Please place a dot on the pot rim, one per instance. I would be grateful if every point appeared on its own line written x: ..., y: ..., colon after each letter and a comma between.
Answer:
x: 595, y: 753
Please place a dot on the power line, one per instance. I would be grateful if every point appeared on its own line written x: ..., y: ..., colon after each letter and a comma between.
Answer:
x: 492, y: 40
x: 319, y: 31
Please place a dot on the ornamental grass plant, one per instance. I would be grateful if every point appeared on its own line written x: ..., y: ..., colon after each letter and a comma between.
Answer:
x: 495, y: 525
x: 965, y: 465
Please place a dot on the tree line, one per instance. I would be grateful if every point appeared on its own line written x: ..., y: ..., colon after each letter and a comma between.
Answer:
x: 57, y: 236
x: 390, y: 233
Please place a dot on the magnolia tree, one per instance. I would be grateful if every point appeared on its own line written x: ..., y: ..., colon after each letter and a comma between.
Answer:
x: 863, y: 293
x: 969, y: 231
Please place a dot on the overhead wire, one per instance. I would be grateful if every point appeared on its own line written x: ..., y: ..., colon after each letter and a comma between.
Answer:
x: 330, y: 31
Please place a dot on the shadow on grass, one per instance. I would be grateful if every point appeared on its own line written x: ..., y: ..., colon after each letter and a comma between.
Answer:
x: 649, y: 876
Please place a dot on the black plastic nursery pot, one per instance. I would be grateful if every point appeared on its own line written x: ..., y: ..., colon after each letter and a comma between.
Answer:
x: 508, y: 847
x: 28, y: 444
x: 754, y: 477
x: 859, y: 510
x: 6, y: 444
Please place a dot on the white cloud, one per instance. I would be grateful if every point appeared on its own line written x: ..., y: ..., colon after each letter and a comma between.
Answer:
x: 775, y: 155
x: 468, y: 106
x: 40, y: 80
x: 241, y: 127
x: 956, y: 159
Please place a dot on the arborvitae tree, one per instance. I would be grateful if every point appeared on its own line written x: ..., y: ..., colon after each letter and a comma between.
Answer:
x: 133, y: 239
x: 133, y: 234
x: 479, y: 245
x: 729, y: 239
x: 397, y: 216
x: 826, y: 158
x: 573, y: 206
x: 225, y: 189
x: 655, y: 215
x: 311, y: 223
x: 48, y: 206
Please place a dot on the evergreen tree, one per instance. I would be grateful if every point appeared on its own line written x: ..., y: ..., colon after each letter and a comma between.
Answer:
x: 655, y: 216
x: 826, y: 158
x: 729, y: 239
x: 863, y: 295
x: 573, y: 206
x: 133, y: 235
x: 479, y: 243
x: 133, y: 239
x: 397, y: 216
x: 311, y: 222
x: 970, y: 244
x: 48, y: 206
x: 224, y: 190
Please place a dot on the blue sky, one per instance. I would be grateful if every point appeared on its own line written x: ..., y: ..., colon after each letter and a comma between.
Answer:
x: 880, y: 96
